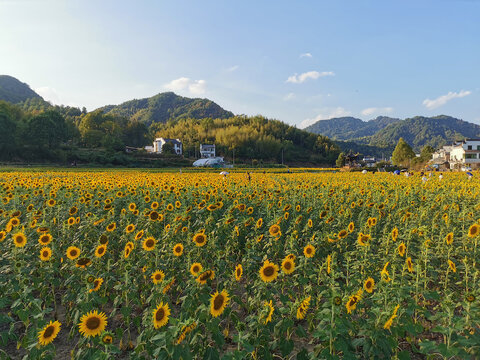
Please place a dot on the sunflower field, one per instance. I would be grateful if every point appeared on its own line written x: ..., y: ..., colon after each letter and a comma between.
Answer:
x: 144, y: 265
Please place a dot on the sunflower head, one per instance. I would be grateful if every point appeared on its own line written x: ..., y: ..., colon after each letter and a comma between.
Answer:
x: 474, y: 230
x: 160, y: 315
x: 19, y: 239
x: 92, y: 324
x: 158, y: 276
x: 238, y: 272
x: 269, y: 271
x: 288, y: 265
x: 196, y: 268
x: 275, y: 230
x: 107, y: 338
x: 178, y: 249
x: 200, y: 239
x: 45, y: 253
x: 218, y: 302
x: 369, y: 285
x: 309, y: 251
x: 149, y: 243
x: 49, y: 333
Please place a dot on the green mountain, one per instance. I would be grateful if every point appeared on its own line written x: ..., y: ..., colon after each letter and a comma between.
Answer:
x: 165, y: 106
x: 14, y: 91
x: 420, y: 131
x: 348, y: 128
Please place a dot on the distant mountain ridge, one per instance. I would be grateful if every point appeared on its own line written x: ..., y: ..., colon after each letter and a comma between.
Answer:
x: 348, y: 128
x: 384, y: 132
x: 165, y: 106
x: 14, y: 91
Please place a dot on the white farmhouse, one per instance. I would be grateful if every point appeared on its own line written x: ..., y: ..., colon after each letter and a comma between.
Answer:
x: 207, y: 151
x: 159, y: 142
x: 465, y: 154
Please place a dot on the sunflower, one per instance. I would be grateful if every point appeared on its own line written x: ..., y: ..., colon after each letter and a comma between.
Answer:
x: 97, y: 283
x: 342, y: 234
x: 71, y: 221
x: 206, y: 275
x: 369, y: 285
x: 19, y: 239
x: 384, y: 273
x: 129, y: 228
x: 178, y: 249
x: 394, y: 234
x: 158, y: 276
x: 303, y: 308
x: 409, y: 264
x: 288, y: 265
x: 269, y: 271
x: 473, y: 230
x: 309, y: 251
x: 83, y: 263
x: 154, y: 216
x: 45, y: 253
x: 3, y: 235
x: 470, y: 298
x: 389, y: 322
x: 401, y: 249
x: 449, y: 238
x: 269, y: 305
x: 139, y: 235
x: 107, y: 338
x: 100, y: 250
x: 286, y: 215
x: 45, y: 239
x: 351, y: 227
x: 73, y: 252
x: 92, y: 323
x: 200, y: 239
x: 259, y: 223
x: 111, y: 227
x: 218, y: 302
x: 149, y: 243
x: 238, y: 272
x: 275, y: 230
x: 452, y: 266
x: 352, y: 303
x: 49, y: 333
x: 196, y: 269
x: 127, y: 250
x: 132, y: 206
x: 160, y: 315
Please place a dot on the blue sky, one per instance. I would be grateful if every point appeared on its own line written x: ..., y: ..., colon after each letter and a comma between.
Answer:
x: 296, y: 61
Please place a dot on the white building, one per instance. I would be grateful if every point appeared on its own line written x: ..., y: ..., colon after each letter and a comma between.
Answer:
x: 465, y: 154
x: 159, y: 142
x: 369, y: 161
x: 207, y: 151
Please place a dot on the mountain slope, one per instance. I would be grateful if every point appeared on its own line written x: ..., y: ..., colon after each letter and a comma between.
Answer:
x: 165, y: 106
x: 348, y: 128
x: 14, y: 91
x: 420, y: 131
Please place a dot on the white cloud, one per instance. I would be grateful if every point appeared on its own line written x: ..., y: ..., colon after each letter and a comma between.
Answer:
x: 327, y: 113
x: 375, y: 110
x: 232, y: 68
x: 49, y: 94
x: 306, y: 55
x: 298, y: 79
x: 289, y: 96
x: 195, y: 87
x: 442, y: 100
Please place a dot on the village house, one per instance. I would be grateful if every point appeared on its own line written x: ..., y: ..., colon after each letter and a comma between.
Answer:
x: 159, y: 142
x: 207, y: 151
x: 460, y: 155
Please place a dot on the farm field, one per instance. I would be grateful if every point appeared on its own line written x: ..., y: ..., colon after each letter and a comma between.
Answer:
x: 145, y: 265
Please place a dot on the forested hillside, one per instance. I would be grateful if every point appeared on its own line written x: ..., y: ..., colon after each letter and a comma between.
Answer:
x: 251, y: 138
x: 14, y: 91
x: 167, y: 106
